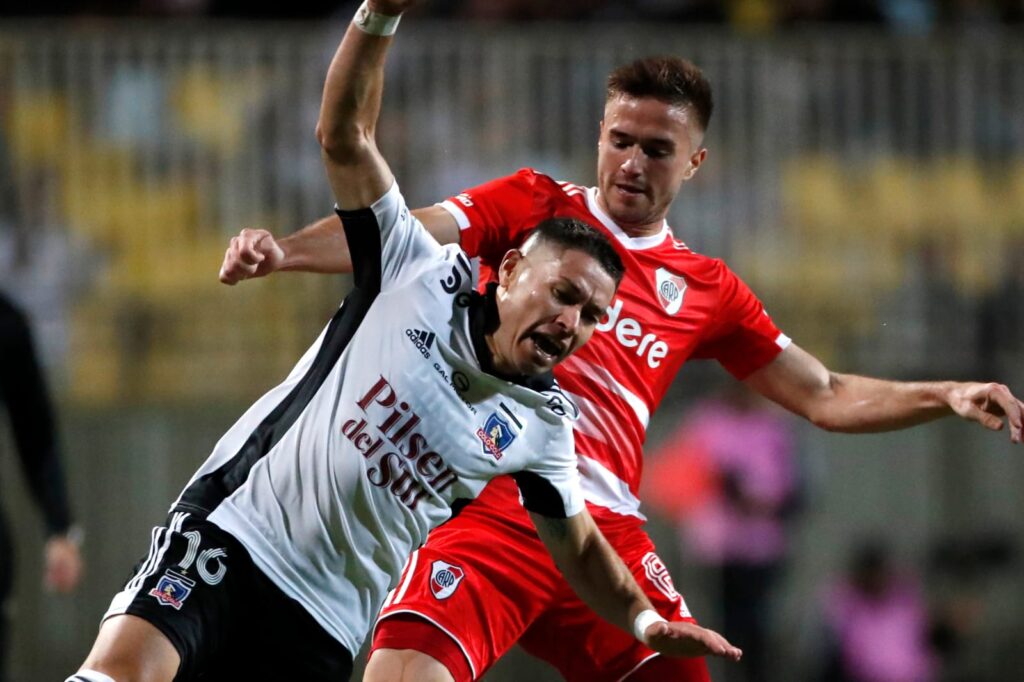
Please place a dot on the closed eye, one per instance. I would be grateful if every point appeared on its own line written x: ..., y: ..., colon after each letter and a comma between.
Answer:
x: 657, y: 152
x: 561, y: 295
x: 593, y: 315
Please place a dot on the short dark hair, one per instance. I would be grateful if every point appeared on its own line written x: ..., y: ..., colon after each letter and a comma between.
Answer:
x: 671, y: 80
x: 570, y: 233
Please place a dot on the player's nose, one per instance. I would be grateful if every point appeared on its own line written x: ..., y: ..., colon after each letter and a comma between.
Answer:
x: 633, y: 163
x: 569, y: 318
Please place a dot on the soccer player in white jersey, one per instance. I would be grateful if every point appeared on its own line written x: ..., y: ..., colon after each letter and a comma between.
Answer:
x: 284, y: 544
x: 673, y: 306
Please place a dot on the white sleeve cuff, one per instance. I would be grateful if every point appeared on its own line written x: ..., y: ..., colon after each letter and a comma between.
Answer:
x: 460, y: 216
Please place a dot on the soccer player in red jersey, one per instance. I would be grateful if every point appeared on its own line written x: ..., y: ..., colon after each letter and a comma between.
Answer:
x: 673, y: 305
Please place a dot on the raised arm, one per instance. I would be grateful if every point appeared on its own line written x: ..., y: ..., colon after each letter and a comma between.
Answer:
x: 356, y: 170
x: 599, y: 577
x: 855, y: 404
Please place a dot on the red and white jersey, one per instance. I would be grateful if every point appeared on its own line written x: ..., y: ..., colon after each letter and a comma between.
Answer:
x: 673, y: 305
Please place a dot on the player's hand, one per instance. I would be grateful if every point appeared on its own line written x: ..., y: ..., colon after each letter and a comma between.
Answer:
x: 390, y: 7
x: 989, y: 404
x: 63, y: 564
x: 253, y: 253
x: 689, y: 639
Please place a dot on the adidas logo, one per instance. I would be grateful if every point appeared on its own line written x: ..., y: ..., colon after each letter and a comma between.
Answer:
x: 421, y: 339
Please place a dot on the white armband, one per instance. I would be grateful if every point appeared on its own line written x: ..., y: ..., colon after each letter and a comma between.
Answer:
x: 644, y: 620
x: 368, y: 21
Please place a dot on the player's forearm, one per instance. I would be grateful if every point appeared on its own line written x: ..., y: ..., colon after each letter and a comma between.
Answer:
x: 357, y: 172
x: 845, y: 402
x: 352, y: 95
x: 857, y: 404
x: 606, y: 585
x: 594, y: 571
x: 321, y: 246
x: 854, y: 404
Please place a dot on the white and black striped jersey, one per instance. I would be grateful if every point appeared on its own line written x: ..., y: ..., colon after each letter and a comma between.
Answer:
x: 333, y: 477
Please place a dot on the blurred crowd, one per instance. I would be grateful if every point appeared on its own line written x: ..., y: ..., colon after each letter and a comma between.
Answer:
x: 898, y: 15
x: 737, y: 483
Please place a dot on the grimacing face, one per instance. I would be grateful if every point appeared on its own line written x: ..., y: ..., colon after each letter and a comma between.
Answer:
x: 549, y: 299
x: 646, y: 151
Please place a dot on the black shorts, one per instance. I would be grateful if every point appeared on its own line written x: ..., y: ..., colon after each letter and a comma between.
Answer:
x: 227, y: 620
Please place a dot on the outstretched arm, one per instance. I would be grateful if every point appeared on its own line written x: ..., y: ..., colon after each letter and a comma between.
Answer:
x: 319, y: 247
x: 599, y: 577
x: 854, y: 404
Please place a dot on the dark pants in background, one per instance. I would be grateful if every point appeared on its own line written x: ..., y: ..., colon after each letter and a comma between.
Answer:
x: 746, y: 592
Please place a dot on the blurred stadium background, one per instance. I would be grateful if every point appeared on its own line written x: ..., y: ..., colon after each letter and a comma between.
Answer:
x: 866, y: 179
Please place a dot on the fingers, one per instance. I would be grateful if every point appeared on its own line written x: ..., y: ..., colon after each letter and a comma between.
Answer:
x: 719, y: 646
x: 1020, y: 423
x: 689, y: 639
x: 243, y: 256
x: 994, y: 402
x: 230, y: 273
x: 1009, y: 406
x: 989, y: 404
x: 986, y: 419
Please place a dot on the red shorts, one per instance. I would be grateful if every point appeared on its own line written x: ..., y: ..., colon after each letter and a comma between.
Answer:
x: 486, y: 580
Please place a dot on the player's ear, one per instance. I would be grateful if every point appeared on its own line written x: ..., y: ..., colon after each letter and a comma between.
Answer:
x: 506, y: 270
x: 696, y: 159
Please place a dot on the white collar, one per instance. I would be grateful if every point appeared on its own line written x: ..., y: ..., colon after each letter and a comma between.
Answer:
x: 631, y: 243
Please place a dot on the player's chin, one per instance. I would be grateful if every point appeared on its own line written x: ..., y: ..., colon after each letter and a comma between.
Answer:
x: 631, y: 209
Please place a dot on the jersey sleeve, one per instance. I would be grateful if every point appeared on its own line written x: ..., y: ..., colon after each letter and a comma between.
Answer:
x: 745, y: 338
x: 24, y: 392
x: 551, y: 485
x: 495, y: 216
x: 388, y: 244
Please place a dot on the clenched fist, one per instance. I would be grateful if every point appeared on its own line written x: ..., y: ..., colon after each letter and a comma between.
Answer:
x: 253, y: 253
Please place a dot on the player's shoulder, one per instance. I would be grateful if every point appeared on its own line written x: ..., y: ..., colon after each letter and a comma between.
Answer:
x: 453, y: 265
x: 544, y: 183
x: 389, y: 214
x: 445, y: 276
x: 390, y: 206
x: 554, y: 197
x: 553, y: 400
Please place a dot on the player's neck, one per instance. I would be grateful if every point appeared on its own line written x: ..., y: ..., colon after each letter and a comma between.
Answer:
x: 483, y: 324
x: 645, y: 230
x: 634, y: 230
x: 495, y: 364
